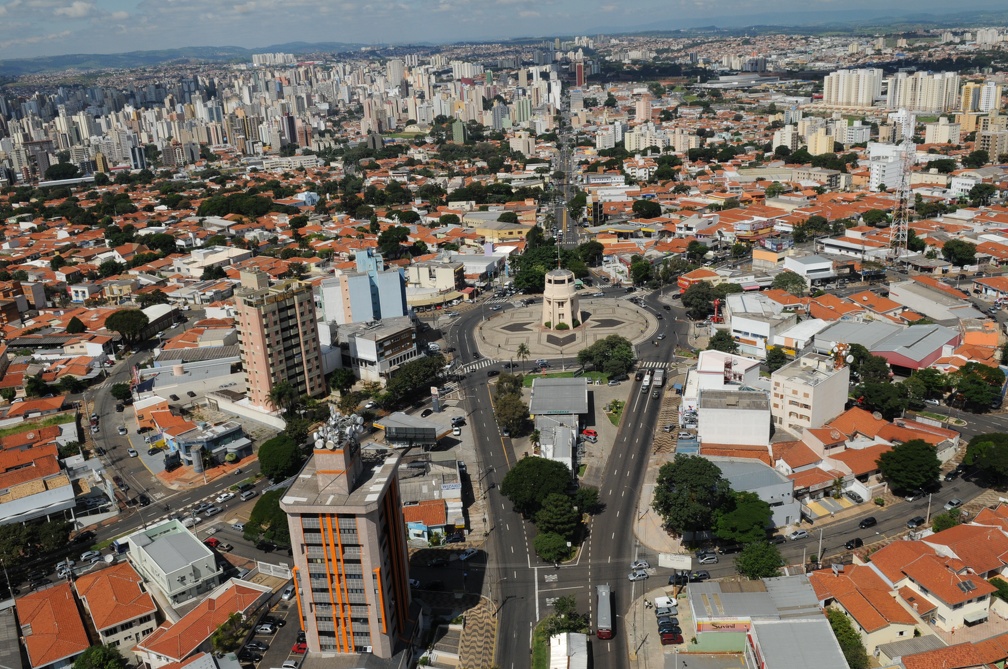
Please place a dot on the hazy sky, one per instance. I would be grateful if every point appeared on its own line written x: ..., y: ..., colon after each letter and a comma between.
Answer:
x: 51, y: 27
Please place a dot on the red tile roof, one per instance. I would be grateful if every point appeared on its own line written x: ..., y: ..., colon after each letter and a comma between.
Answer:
x: 430, y: 512
x: 981, y: 548
x: 114, y: 595
x: 51, y: 625
x: 864, y: 595
x: 959, y: 656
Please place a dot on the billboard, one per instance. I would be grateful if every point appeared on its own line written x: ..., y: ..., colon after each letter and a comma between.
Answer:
x: 675, y: 561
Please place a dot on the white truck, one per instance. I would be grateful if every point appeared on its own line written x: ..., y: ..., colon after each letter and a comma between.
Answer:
x: 659, y: 378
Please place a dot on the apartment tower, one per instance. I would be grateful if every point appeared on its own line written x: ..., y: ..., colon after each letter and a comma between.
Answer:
x: 279, y: 337
x: 351, y: 569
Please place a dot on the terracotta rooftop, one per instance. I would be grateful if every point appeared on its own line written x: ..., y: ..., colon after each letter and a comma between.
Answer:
x: 51, y: 625
x: 113, y: 595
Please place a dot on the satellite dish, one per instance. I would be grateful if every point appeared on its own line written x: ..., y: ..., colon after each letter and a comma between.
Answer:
x: 331, y: 445
x: 360, y: 420
x: 318, y: 441
x: 876, y: 415
x: 317, y: 435
x: 849, y: 359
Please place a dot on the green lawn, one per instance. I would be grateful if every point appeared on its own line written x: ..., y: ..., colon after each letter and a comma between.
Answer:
x: 615, y: 411
x: 540, y: 648
x: 58, y: 419
x: 591, y: 376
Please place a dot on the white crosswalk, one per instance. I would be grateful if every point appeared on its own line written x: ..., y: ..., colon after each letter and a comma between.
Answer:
x: 651, y: 364
x: 478, y: 364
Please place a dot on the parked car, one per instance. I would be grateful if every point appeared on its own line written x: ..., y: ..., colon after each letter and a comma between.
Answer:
x: 953, y: 503
x: 173, y: 397
x: 143, y: 500
x: 914, y: 496
x: 915, y: 522
x: 201, y: 507
x: 212, y: 511
x: 153, y: 450
x: 86, y: 556
x: 671, y: 639
x: 665, y: 611
x: 467, y: 554
x: 867, y: 522
x: 299, y: 648
x: 699, y: 576
x: 224, y: 496
x: 640, y: 564
x: 455, y: 538
x: 122, y: 431
x: 798, y: 534
x: 266, y: 628
x: 856, y: 542
x: 707, y: 558
x: 728, y: 549
x: 288, y: 593
x: 257, y: 645
x: 190, y: 393
x: 637, y: 575
x: 426, y: 412
x: 853, y: 496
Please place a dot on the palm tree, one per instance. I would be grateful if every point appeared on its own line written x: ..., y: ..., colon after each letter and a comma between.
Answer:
x: 523, y: 354
x: 283, y: 396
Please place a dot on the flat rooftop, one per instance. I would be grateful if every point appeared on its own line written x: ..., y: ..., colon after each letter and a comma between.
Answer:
x: 745, y: 400
x: 563, y: 395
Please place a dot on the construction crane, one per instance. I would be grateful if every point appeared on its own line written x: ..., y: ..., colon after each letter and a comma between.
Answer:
x: 899, y: 231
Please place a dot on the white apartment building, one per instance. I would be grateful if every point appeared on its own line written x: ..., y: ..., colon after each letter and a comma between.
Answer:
x: 941, y: 132
x: 923, y: 91
x: 786, y: 136
x: 754, y: 320
x: 172, y: 559
x: 808, y: 392
x: 852, y: 88
x: 885, y: 165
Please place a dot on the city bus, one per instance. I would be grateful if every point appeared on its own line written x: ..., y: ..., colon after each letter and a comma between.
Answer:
x: 603, y: 622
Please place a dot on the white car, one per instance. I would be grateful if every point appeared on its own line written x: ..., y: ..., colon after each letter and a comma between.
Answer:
x: 798, y: 534
x: 224, y: 496
x: 122, y: 431
x: 132, y: 452
x: 637, y: 575
x: 953, y: 503
x: 640, y: 564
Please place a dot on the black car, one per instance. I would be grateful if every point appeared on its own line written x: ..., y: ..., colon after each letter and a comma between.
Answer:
x: 153, y: 450
x: 190, y: 393
x: 40, y: 583
x: 273, y: 620
x: 639, y: 376
x: 856, y: 542
x: 669, y: 629
x: 454, y: 538
x: 666, y: 307
x: 915, y: 522
x: 868, y: 522
x: 659, y: 317
x: 246, y: 655
x: 493, y: 372
x: 266, y: 546
x: 667, y: 621
x: 679, y: 578
x: 173, y: 398
x: 952, y: 475
x: 120, y: 408
x: 728, y: 549
x: 776, y: 539
x: 257, y: 645
x: 476, y: 355
x: 143, y: 499
x: 426, y: 412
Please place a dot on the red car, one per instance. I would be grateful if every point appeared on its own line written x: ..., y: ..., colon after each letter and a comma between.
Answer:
x: 212, y: 542
x: 300, y: 648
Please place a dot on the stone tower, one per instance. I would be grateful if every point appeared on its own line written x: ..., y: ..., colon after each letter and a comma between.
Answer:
x: 560, y: 302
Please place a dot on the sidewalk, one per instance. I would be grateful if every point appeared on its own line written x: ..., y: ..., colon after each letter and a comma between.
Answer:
x: 648, y: 526
x: 478, y: 645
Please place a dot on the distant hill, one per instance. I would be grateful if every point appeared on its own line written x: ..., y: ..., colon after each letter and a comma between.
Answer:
x: 112, y: 61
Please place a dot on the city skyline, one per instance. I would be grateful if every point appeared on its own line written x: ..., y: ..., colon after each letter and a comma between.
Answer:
x: 38, y: 28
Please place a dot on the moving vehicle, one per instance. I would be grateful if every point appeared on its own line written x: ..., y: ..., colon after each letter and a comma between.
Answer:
x: 868, y: 522
x: 856, y: 542
x: 915, y: 522
x: 637, y: 575
x: 646, y: 382
x: 640, y: 564
x: 603, y: 622
x: 659, y: 377
x: 798, y: 534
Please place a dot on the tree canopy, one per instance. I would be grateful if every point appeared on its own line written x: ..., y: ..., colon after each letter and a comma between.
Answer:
x: 989, y: 454
x: 744, y: 519
x: 613, y: 355
x: 723, y: 341
x: 910, y: 466
x: 280, y: 457
x: 129, y: 323
x: 848, y: 638
x: 759, y: 559
x: 959, y: 252
x: 688, y: 492
x: 792, y: 282
x: 267, y: 520
x: 101, y: 656
x: 531, y: 481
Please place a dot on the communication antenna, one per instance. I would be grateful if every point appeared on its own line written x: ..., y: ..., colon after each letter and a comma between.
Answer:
x: 899, y: 231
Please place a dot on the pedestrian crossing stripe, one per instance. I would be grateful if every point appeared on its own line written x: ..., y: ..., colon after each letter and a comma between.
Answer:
x: 652, y: 364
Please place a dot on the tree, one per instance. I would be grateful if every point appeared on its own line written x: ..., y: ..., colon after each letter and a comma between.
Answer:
x: 989, y: 454
x: 343, y: 379
x: 944, y: 521
x: 390, y: 241
x: 688, y: 491
x: 449, y: 219
x: 121, y: 391
x: 61, y: 171
x: 640, y: 270
x: 110, y: 267
x: 978, y: 386
x: 531, y: 481
x: 413, y: 379
x: 558, y: 515
x: 280, y: 457
x: 912, y: 465
x: 587, y: 499
x: 646, y: 208
x: 775, y: 358
x: 744, y: 520
x: 613, y: 355
x: 886, y: 398
x: 551, y: 547
x: 129, y: 323
x: 155, y: 296
x: 591, y: 252
x: 284, y: 396
x: 792, y: 282
x: 759, y: 559
x: 101, y: 656
x: 981, y: 194
x: 699, y: 300
x: 75, y: 326
x: 523, y: 353
x: 695, y: 251
x: 566, y: 617
x: 267, y: 520
x: 776, y: 188
x: 959, y: 252
x: 722, y: 341
x: 848, y: 638
x: 976, y: 159
x: 228, y: 637
x: 511, y: 412
x: 875, y: 218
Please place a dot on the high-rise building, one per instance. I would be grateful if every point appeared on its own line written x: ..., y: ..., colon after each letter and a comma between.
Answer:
x: 279, y: 337
x: 351, y: 564
x: 941, y: 132
x: 924, y: 91
x: 852, y: 88
x: 369, y: 294
x: 579, y: 74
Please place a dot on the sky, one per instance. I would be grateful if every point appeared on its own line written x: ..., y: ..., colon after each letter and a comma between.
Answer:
x: 30, y: 28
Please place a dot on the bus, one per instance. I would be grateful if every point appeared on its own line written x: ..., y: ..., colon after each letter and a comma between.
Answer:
x: 646, y: 382
x: 603, y: 624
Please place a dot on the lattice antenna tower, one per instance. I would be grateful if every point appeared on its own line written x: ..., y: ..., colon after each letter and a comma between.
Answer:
x: 900, y: 229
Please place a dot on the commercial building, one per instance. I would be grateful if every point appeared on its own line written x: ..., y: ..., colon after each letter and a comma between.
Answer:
x: 808, y: 392
x: 279, y: 337
x: 885, y: 165
x: 735, y: 417
x: 351, y: 564
x: 171, y: 559
x: 770, y: 485
x: 434, y: 282
x: 754, y: 321
x: 369, y: 294
x: 375, y: 350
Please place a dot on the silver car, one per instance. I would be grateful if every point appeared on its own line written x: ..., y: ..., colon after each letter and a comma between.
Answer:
x: 637, y: 575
